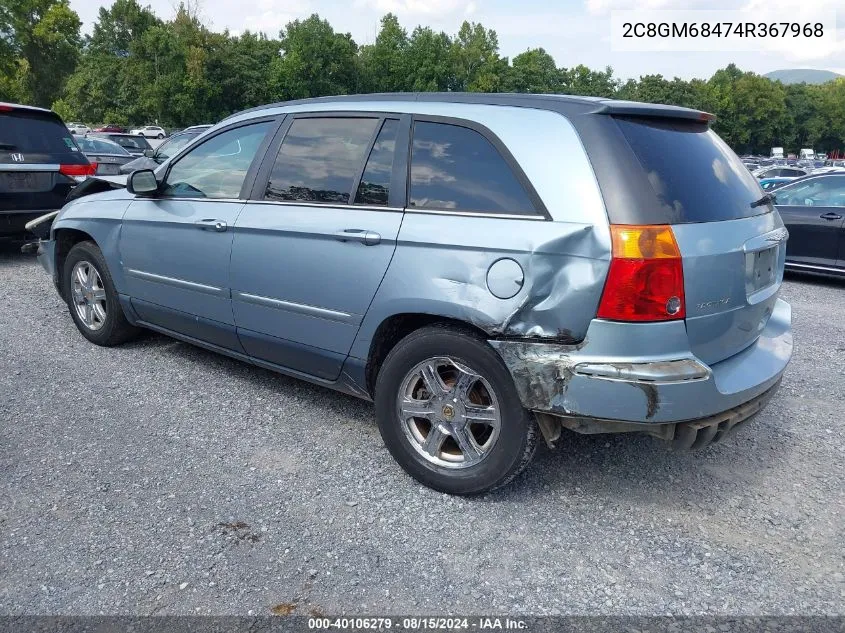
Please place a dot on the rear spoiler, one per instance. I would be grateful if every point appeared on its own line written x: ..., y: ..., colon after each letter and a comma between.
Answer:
x: 656, y: 110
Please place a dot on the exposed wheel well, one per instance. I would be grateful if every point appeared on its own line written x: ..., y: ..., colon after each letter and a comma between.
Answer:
x: 394, y: 328
x: 66, y: 239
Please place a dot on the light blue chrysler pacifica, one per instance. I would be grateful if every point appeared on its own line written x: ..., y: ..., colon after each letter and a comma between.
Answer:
x: 488, y: 269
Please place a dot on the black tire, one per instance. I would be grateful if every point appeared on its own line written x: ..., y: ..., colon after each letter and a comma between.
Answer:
x: 511, y: 452
x: 160, y: 136
x: 114, y: 329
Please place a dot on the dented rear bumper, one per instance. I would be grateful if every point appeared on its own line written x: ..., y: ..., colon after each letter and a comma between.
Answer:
x: 644, y: 374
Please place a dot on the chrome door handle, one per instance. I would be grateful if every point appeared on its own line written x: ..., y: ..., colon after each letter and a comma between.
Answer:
x: 211, y: 225
x: 830, y: 216
x: 367, y: 238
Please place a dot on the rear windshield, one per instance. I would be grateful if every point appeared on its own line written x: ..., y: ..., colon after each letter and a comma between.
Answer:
x: 100, y: 146
x: 695, y: 175
x: 131, y: 142
x: 34, y: 133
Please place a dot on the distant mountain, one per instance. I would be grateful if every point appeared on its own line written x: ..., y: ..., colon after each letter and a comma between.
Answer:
x: 802, y: 75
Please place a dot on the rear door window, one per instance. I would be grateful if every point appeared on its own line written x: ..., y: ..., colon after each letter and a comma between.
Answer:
x: 374, y: 187
x: 320, y: 159
x: 694, y: 174
x: 454, y: 168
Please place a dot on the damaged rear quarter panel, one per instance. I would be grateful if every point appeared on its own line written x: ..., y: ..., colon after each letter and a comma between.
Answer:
x: 441, y: 263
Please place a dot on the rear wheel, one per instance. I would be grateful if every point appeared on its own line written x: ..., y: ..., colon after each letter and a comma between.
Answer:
x: 450, y: 415
x: 92, y: 299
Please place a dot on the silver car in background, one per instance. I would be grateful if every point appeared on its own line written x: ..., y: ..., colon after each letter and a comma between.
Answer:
x: 489, y: 269
x: 106, y: 155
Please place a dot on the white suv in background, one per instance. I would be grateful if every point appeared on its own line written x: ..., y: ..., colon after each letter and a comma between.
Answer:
x: 150, y: 131
x: 78, y: 128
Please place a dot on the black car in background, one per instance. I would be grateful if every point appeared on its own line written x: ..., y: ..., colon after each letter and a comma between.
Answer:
x: 813, y: 210
x: 39, y: 164
x: 135, y: 145
x: 105, y: 154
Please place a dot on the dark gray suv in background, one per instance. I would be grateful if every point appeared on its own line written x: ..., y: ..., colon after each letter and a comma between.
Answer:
x: 39, y: 164
x: 486, y: 268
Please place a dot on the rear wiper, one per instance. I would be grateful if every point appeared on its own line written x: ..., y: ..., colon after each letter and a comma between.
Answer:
x: 768, y: 198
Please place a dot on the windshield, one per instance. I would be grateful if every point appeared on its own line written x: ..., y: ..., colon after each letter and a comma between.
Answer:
x: 694, y: 174
x: 175, y: 144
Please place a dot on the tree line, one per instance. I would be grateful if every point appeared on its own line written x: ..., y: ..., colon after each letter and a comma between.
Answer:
x: 136, y: 68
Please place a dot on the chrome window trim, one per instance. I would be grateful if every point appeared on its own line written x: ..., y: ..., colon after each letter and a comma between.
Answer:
x: 326, y: 205
x: 345, y: 207
x: 179, y: 283
x: 28, y: 167
x: 191, y: 199
x: 299, y: 308
x: 478, y: 214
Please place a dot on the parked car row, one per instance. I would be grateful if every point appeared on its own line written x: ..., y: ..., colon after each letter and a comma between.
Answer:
x: 756, y: 163
x: 147, y: 131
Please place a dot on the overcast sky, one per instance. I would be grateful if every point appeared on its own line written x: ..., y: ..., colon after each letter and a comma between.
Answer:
x: 572, y: 31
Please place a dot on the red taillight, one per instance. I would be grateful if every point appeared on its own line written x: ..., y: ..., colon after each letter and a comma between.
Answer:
x: 78, y: 170
x: 646, y: 277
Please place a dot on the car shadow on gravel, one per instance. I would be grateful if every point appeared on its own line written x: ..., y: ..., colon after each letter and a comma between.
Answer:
x: 608, y: 468
x: 10, y: 253
x: 259, y: 377
x: 635, y: 468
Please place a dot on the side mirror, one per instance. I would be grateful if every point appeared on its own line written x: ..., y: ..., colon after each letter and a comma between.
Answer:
x: 149, y: 153
x: 142, y: 183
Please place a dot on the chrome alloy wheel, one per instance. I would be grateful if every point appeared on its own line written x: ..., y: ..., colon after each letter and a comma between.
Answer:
x: 88, y: 294
x: 449, y: 413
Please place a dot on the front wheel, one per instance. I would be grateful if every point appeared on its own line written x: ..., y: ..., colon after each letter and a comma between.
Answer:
x: 160, y: 136
x: 449, y: 413
x: 92, y: 299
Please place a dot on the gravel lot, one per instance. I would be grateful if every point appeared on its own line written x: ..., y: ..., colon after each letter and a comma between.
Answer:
x: 158, y: 478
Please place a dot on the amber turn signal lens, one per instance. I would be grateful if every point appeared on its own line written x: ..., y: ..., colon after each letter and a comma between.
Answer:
x: 643, y: 242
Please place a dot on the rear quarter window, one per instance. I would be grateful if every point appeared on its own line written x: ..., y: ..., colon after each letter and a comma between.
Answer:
x: 695, y: 176
x: 454, y: 168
